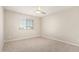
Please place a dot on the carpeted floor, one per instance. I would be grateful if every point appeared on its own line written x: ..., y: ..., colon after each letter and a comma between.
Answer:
x: 38, y: 45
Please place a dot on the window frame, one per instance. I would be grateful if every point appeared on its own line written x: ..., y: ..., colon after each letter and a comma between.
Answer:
x: 26, y: 24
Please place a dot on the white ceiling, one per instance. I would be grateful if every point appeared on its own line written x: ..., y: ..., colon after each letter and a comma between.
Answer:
x: 31, y: 10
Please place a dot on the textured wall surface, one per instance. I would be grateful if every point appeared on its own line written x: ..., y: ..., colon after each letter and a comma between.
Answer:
x: 1, y: 28
x: 63, y: 25
x: 12, y: 24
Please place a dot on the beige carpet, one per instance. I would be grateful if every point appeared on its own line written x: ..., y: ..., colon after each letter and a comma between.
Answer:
x: 38, y: 45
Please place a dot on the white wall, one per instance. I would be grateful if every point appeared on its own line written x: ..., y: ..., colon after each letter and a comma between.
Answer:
x: 1, y: 28
x: 12, y: 23
x: 63, y: 25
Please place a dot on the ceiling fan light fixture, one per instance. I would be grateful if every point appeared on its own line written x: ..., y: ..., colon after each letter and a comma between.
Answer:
x: 38, y: 11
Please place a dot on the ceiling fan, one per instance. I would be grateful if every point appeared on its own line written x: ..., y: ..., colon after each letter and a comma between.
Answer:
x: 40, y: 11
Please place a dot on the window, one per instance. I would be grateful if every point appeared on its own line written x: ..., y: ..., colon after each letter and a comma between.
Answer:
x: 26, y: 24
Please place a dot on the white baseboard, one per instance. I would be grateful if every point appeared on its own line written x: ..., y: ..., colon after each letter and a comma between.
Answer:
x: 57, y: 39
x: 46, y: 36
x: 22, y: 38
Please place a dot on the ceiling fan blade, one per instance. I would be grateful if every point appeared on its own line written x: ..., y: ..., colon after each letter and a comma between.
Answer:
x: 43, y: 12
x: 40, y: 11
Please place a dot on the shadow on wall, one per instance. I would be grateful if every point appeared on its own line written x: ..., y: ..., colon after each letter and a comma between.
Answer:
x: 63, y: 25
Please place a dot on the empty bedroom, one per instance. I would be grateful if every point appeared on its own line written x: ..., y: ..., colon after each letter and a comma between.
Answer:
x: 39, y: 29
